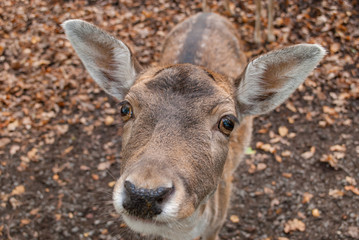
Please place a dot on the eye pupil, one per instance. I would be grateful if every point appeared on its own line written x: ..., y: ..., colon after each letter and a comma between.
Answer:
x: 228, y: 124
x: 126, y: 111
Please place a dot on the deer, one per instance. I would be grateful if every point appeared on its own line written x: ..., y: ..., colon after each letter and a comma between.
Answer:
x: 257, y: 28
x: 188, y: 120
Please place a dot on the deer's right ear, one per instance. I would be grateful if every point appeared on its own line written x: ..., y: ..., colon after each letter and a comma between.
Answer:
x: 108, y: 60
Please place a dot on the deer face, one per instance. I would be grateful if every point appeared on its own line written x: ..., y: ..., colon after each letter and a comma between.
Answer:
x: 178, y: 122
x: 175, y: 140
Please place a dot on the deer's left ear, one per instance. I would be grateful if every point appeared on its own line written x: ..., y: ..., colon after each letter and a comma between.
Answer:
x: 271, y: 78
x: 108, y: 60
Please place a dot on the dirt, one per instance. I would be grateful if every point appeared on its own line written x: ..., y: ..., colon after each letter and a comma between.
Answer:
x: 60, y: 136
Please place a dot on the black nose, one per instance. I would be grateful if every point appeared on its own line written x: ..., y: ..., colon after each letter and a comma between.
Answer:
x: 145, y: 203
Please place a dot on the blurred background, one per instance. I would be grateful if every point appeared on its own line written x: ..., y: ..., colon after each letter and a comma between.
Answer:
x: 60, y: 135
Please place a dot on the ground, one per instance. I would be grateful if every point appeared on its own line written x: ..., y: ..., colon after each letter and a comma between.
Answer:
x: 60, y: 135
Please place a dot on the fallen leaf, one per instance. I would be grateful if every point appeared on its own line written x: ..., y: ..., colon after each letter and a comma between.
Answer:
x: 32, y: 154
x: 95, y: 177
x: 290, y: 106
x: 18, y: 190
x: 353, y: 189
x: 103, y: 166
x: 283, y: 131
x: 336, y: 193
x: 111, y: 184
x: 234, y: 218
x: 14, y: 149
x: 331, y: 160
x: 309, y: 154
x: 282, y: 238
x: 350, y: 180
x: 338, y: 148
x: 109, y: 120
x: 261, y: 166
x: 335, y: 47
x: 4, y: 142
x: 278, y: 158
x: 286, y: 153
x: 25, y: 221
x: 294, y: 225
x: 84, y: 168
x: 67, y: 150
x: 353, y: 232
x: 252, y: 168
x: 307, y: 197
x: 57, y: 216
x: 287, y: 175
x: 265, y: 147
x: 330, y: 111
x: 249, y: 151
x: 315, y: 213
x: 34, y: 211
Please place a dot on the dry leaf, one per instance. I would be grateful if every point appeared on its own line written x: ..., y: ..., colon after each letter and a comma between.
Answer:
x: 309, y: 154
x: 252, y: 168
x: 111, y: 184
x: 283, y: 131
x: 286, y: 153
x: 4, y: 142
x: 330, y: 111
x: 350, y: 180
x: 338, y: 148
x: 294, y: 225
x: 32, y: 154
x: 353, y: 189
x: 18, y: 190
x: 95, y: 177
x: 25, y: 221
x: 67, y: 150
x: 265, y: 147
x: 353, y: 232
x: 14, y: 149
x: 103, y: 166
x: 261, y: 166
x: 287, y: 175
x: 306, y: 197
x: 109, y: 120
x: 35, y: 211
x: 234, y: 218
x: 331, y: 160
x: 335, y: 47
x: 84, y: 168
x: 290, y: 106
x: 336, y: 193
x: 315, y: 213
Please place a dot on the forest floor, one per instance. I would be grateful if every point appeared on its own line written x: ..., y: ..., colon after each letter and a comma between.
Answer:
x: 60, y: 135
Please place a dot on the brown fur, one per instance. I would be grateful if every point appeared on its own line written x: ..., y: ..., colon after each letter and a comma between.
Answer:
x: 177, y: 158
x: 173, y: 102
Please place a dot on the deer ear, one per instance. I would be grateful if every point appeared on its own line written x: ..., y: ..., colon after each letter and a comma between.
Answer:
x: 108, y: 60
x: 271, y: 78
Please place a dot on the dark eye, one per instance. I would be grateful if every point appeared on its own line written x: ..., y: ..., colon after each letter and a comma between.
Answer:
x: 126, y: 111
x: 226, y: 124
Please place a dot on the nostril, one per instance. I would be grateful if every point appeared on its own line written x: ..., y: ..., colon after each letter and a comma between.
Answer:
x: 158, y: 194
x: 163, y: 193
x: 130, y: 187
x: 144, y: 202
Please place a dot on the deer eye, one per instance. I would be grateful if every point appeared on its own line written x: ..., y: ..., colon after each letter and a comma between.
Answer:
x: 126, y: 111
x: 226, y: 124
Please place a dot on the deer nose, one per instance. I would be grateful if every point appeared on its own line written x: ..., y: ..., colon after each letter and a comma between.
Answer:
x: 145, y: 203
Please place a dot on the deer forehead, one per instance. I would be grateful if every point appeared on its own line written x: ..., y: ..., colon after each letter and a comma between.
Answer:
x: 183, y: 88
